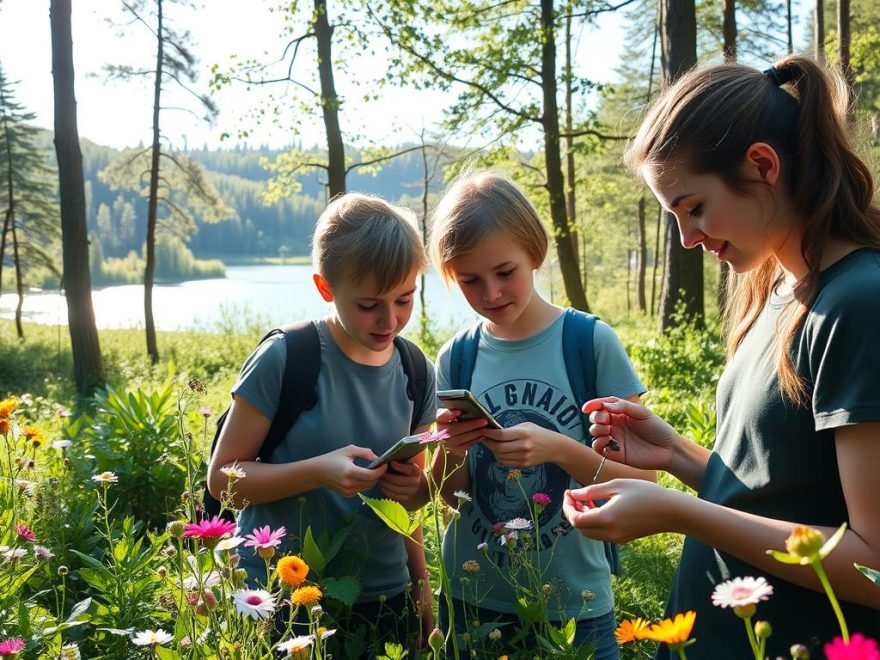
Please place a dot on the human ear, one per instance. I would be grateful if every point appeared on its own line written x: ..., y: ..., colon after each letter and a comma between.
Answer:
x: 323, y: 287
x: 763, y: 163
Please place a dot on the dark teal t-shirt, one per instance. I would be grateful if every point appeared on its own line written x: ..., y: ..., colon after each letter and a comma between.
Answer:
x: 777, y: 460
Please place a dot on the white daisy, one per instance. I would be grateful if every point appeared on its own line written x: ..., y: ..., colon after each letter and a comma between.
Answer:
x: 14, y: 554
x: 233, y: 470
x: 151, y: 638
x: 228, y: 544
x: 741, y: 591
x: 255, y: 603
x: 462, y: 496
x: 518, y: 524
x: 62, y: 444
x: 296, y: 644
x: 105, y: 478
x: 42, y: 552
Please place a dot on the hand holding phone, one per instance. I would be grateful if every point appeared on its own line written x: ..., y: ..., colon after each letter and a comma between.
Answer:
x: 467, y: 403
x: 404, y: 449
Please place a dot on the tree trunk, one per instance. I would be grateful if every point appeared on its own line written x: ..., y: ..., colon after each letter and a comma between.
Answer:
x: 819, y: 19
x: 729, y: 29
x: 790, y: 42
x: 570, y: 198
x: 683, y: 269
x: 88, y: 371
x: 843, y: 33
x: 555, y: 183
x: 657, y: 234
x: 641, y: 257
x: 153, y: 199
x: 329, y: 100
x: 19, y: 285
x: 9, y: 216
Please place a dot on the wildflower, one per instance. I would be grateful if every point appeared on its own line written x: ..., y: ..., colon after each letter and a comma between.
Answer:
x: 799, y: 652
x: 763, y: 630
x: 254, y: 603
x: 228, y: 544
x: 317, y: 611
x: 858, y: 648
x: 14, y: 554
x: 29, y: 487
x: 495, y: 635
x: 498, y: 529
x: 462, y: 497
x: 673, y: 630
x: 518, y: 524
x: 7, y: 407
x: 264, y: 541
x: 210, y: 579
x: 151, y: 638
x: 42, y: 552
x: 509, y: 538
x: 70, y: 652
x: 306, y: 596
x: 61, y: 411
x: 806, y: 545
x: 206, y: 412
x: 483, y: 547
x: 739, y: 592
x: 433, y: 436
x: 63, y: 570
x: 197, y: 386
x: 514, y: 474
x: 292, y: 570
x: 471, y: 566
x: 323, y: 633
x: 541, y: 499
x: 297, y: 647
x: 209, y: 531
x: 176, y: 528
x: 588, y: 595
x: 105, y: 478
x: 9, y: 647
x: 233, y: 471
x: 32, y: 434
x: 25, y: 533
x: 630, y: 630
x: 4, y: 425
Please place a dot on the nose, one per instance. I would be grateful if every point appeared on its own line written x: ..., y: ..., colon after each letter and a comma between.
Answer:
x: 691, y: 236
x: 386, y: 319
x: 491, y: 291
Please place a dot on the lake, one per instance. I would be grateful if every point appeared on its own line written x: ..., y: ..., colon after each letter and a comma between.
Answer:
x: 271, y: 295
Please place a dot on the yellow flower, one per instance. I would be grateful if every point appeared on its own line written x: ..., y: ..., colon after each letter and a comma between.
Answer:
x: 672, y: 631
x: 7, y: 407
x: 630, y: 630
x: 806, y: 545
x: 306, y: 596
x: 33, y: 435
x: 292, y: 570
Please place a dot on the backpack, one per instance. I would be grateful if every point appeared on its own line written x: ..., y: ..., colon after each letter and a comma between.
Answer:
x: 580, y: 367
x: 298, y: 390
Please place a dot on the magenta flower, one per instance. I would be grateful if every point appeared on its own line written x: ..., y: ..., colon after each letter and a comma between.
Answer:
x: 25, y: 533
x: 541, y: 498
x: 9, y: 647
x: 858, y: 648
x: 206, y: 412
x: 433, y: 436
x: 264, y: 541
x: 213, y: 529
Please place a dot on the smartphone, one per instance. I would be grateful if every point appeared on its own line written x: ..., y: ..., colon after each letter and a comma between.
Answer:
x: 467, y: 403
x: 403, y: 450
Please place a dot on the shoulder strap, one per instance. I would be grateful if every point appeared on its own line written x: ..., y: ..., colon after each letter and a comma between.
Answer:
x: 416, y: 369
x: 579, y: 357
x: 463, y: 357
x: 301, y: 367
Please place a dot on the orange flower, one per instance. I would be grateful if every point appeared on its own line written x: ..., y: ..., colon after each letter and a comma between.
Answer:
x: 292, y: 570
x: 306, y: 596
x: 4, y: 425
x: 672, y: 631
x: 33, y: 435
x: 630, y: 630
x: 7, y: 406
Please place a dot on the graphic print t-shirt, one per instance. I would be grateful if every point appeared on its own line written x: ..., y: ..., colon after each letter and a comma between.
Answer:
x: 526, y: 381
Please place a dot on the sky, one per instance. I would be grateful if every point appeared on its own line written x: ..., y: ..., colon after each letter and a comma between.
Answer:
x: 118, y: 114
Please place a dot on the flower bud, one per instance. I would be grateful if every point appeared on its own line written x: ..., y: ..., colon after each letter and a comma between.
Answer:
x: 495, y: 635
x: 799, y: 652
x: 436, y: 641
x: 744, y: 611
x: 805, y: 542
x: 176, y: 528
x: 63, y: 570
x: 241, y: 574
x: 266, y: 553
x: 162, y: 571
x: 763, y: 630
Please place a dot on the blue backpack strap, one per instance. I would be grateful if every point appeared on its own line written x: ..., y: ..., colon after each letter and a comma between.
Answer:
x: 578, y: 329
x: 416, y: 369
x: 463, y: 357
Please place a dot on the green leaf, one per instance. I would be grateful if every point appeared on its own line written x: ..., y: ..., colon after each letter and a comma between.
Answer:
x: 312, y: 554
x: 166, y: 654
x: 786, y: 558
x: 79, y: 610
x: 101, y: 578
x: 870, y: 573
x: 392, y: 514
x: 344, y: 589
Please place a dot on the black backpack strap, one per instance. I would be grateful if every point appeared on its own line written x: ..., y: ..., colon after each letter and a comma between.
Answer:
x: 580, y: 359
x: 301, y: 367
x: 416, y: 369
x: 463, y: 357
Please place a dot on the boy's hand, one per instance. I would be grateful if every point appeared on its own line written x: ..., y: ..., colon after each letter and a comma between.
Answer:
x: 461, y: 434
x: 342, y: 474
x: 402, y: 481
x: 523, y: 445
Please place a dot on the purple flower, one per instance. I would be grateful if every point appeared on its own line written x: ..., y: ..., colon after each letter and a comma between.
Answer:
x: 9, y: 647
x: 858, y: 648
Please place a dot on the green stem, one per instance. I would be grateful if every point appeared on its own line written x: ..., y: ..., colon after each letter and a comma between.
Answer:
x: 823, y: 578
x: 750, y: 631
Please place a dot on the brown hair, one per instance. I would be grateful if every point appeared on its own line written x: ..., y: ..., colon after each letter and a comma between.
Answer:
x: 359, y: 235
x: 708, y: 119
x: 476, y: 205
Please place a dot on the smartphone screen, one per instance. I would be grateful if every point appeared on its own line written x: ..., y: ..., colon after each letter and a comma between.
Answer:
x: 467, y: 403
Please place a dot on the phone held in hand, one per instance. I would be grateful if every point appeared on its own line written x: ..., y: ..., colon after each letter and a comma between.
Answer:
x: 467, y: 403
x: 404, y: 449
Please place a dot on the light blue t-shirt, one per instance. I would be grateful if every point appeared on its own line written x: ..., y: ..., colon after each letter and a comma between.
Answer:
x: 357, y: 404
x: 526, y: 381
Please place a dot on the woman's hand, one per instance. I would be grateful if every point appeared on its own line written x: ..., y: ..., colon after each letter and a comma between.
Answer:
x: 461, y: 434
x: 340, y: 472
x: 634, y: 508
x: 522, y: 445
x: 402, y: 481
x: 645, y: 440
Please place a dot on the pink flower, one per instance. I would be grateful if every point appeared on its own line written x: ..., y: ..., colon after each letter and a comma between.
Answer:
x: 61, y: 411
x: 214, y: 529
x: 264, y: 538
x: 433, y: 436
x: 206, y: 412
x: 859, y: 648
x: 10, y: 647
x: 541, y: 498
x: 741, y: 591
x: 25, y: 533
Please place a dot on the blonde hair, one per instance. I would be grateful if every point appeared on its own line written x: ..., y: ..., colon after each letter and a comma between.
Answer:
x: 477, y: 205
x: 708, y: 119
x: 359, y: 235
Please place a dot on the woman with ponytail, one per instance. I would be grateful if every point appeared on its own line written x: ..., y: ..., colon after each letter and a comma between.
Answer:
x: 758, y: 170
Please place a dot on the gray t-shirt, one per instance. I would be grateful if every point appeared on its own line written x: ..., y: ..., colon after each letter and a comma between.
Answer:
x: 357, y: 404
x: 526, y: 381
x: 777, y: 460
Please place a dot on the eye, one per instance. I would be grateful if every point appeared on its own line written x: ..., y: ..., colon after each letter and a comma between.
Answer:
x: 404, y: 302
x: 469, y: 280
x: 696, y: 212
x: 366, y: 308
x: 505, y: 273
